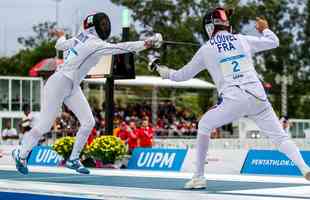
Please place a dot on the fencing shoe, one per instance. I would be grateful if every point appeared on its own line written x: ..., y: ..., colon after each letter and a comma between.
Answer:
x: 197, y: 182
x: 21, y: 164
x: 77, y: 166
x: 306, y: 173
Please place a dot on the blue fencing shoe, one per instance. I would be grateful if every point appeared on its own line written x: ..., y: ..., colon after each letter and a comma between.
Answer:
x: 77, y: 166
x: 21, y: 164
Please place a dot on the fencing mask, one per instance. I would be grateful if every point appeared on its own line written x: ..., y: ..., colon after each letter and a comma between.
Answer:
x: 101, y: 23
x: 215, y: 20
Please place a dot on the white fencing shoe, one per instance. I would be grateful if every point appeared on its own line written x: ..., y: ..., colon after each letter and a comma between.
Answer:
x: 306, y: 173
x: 197, y: 182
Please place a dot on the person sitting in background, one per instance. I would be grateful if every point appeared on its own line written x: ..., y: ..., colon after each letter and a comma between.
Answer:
x: 68, y: 122
x: 25, y: 124
x: 4, y: 103
x: 56, y: 126
x: 193, y: 129
x: 29, y: 119
x: 215, y: 133
x: 8, y: 132
x: 145, y: 134
x: 182, y: 128
x: 160, y: 127
x: 173, y: 129
x: 101, y: 128
x: 285, y: 124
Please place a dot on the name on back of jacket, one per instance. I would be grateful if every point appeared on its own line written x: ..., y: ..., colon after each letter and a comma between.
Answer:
x: 223, y: 42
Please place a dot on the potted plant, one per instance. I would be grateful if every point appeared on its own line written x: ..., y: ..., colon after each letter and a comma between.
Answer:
x: 106, y: 150
x: 63, y: 146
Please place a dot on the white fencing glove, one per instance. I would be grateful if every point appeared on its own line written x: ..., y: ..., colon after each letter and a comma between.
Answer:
x: 163, y: 71
x: 155, y: 41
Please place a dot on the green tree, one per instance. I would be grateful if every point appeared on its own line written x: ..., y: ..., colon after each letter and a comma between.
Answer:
x: 43, y: 33
x: 283, y: 16
x: 36, y: 48
x: 301, y: 103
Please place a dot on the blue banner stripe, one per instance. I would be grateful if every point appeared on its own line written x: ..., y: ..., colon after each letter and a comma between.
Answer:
x: 157, y: 159
x: 271, y: 162
x: 232, y: 58
x: 44, y: 156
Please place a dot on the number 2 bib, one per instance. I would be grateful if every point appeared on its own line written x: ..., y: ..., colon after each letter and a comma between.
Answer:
x: 234, y: 65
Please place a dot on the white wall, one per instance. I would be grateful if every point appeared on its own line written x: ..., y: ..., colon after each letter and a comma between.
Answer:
x: 228, y: 143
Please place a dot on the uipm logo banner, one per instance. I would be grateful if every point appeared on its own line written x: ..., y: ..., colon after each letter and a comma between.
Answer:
x: 44, y: 156
x: 271, y: 162
x: 151, y: 159
x: 157, y: 159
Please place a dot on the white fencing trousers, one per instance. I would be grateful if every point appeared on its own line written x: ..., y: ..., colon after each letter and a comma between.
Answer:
x: 58, y: 90
x: 78, y: 104
x: 238, y: 103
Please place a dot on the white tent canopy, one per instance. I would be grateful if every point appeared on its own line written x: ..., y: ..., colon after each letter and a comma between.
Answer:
x: 156, y: 81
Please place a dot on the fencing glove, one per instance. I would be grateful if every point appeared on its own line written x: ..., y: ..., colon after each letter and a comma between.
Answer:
x: 163, y: 71
x: 155, y: 41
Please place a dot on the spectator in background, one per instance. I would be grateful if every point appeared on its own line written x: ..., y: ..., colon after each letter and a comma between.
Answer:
x: 160, y: 127
x: 170, y: 122
x: 145, y: 134
x: 193, y: 129
x: 56, y: 126
x: 92, y: 136
x: 215, y: 133
x: 8, y: 132
x: 132, y: 136
x: 123, y: 132
x: 4, y: 103
x: 285, y: 124
x: 101, y: 127
x: 117, y: 123
x: 27, y: 119
x: 182, y: 128
x: 68, y: 122
x: 173, y: 128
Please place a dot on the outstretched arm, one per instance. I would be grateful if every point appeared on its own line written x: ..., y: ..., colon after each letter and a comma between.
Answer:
x: 120, y: 48
x: 187, y: 72
x: 126, y: 47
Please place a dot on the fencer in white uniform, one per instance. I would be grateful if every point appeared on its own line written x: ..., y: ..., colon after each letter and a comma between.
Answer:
x: 81, y: 53
x: 228, y: 59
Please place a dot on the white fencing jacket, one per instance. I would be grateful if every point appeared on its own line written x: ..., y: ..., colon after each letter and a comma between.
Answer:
x: 84, y: 51
x: 228, y: 59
